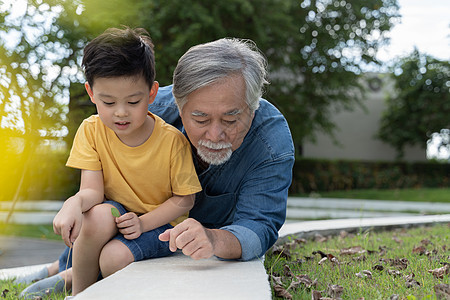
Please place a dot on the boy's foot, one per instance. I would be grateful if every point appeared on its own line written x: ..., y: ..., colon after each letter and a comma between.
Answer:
x: 47, y: 286
x: 38, y: 275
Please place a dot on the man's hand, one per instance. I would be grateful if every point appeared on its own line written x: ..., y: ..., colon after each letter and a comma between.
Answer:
x: 191, y: 237
x: 67, y: 221
x: 129, y: 225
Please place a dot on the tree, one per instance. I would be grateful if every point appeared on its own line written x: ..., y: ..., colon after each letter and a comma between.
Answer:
x: 420, y: 104
x: 316, y: 49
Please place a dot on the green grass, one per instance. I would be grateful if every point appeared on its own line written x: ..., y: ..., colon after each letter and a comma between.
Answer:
x: 300, y: 257
x: 422, y: 194
x: 11, y: 291
x: 33, y: 231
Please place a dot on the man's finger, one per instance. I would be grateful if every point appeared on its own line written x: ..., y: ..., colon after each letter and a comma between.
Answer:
x: 165, y: 236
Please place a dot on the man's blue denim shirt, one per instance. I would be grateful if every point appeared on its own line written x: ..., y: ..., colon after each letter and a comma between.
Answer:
x: 247, y: 195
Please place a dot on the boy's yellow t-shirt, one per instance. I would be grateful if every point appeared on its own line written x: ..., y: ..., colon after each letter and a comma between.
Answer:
x: 142, y: 177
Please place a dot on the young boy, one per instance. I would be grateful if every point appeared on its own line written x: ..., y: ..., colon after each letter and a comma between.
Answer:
x: 129, y: 158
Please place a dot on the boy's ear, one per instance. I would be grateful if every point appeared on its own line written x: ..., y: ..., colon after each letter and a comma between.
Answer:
x: 153, y: 92
x: 89, y: 91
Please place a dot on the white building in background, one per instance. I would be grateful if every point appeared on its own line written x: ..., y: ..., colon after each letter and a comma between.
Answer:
x: 356, y: 131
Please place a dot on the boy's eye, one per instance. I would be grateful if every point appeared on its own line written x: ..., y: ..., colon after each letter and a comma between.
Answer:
x: 134, y: 102
x: 108, y: 103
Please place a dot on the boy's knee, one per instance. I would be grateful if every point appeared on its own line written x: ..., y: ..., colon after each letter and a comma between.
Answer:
x: 114, y: 257
x: 98, y: 220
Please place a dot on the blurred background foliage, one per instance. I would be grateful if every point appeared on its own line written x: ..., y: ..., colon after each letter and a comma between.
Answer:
x: 317, y: 51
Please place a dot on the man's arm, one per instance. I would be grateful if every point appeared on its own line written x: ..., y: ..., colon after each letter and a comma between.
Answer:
x: 199, y: 242
x: 68, y: 221
x: 132, y: 226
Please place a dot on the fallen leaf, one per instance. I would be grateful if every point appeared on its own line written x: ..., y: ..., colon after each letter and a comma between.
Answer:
x: 319, y: 252
x: 322, y: 260
x: 412, y: 283
x: 364, y: 274
x: 425, y: 242
x: 335, y: 291
x: 333, y: 259
x: 4, y: 293
x: 394, y: 272
x: 320, y: 238
x: 397, y: 240
x: 421, y: 250
x: 287, y: 271
x: 378, y: 267
x: 281, y: 292
x: 343, y: 234
x: 276, y: 280
x: 442, y: 291
x: 440, y: 272
x: 360, y: 258
x: 282, y: 252
x: 301, y: 279
x: 409, y: 277
x: 352, y: 250
x: 401, y: 263
x: 316, y: 295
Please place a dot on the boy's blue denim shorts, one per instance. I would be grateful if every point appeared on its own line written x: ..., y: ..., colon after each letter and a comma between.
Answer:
x: 146, y: 246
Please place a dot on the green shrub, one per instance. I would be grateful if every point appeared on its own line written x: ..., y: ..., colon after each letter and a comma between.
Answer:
x: 310, y: 175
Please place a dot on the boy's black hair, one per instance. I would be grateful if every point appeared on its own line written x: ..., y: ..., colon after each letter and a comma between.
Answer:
x: 120, y: 52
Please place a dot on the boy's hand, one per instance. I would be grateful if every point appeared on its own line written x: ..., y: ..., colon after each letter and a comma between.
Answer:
x: 67, y: 221
x: 129, y: 225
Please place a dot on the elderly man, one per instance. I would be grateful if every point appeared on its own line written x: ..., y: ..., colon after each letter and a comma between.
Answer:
x: 242, y: 150
x: 242, y: 146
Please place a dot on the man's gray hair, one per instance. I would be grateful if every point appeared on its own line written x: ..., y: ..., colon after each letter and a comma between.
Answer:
x: 211, y: 62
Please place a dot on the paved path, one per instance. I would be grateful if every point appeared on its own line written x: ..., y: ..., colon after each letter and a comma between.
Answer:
x: 178, y: 276
x: 17, y: 252
x: 332, y: 208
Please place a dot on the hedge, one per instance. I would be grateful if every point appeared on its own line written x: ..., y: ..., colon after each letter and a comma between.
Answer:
x: 311, y: 175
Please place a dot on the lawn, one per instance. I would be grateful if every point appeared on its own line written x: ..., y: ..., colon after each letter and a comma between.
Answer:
x: 34, y: 231
x: 401, y: 264
x: 422, y: 194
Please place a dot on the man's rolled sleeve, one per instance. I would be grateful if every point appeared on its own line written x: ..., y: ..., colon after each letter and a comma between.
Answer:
x: 249, y: 240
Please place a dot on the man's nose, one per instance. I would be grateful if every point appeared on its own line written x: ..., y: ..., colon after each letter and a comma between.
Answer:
x: 215, y: 132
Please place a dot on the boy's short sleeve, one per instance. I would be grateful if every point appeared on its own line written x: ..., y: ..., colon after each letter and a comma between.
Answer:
x: 183, y: 175
x: 83, y: 154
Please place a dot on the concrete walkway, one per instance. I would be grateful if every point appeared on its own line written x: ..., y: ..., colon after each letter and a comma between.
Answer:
x: 179, y: 276
x: 332, y: 208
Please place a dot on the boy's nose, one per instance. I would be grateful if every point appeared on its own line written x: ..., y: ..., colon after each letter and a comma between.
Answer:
x: 121, y: 112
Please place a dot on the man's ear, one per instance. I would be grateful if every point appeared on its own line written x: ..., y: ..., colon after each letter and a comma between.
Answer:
x: 89, y: 91
x: 153, y: 92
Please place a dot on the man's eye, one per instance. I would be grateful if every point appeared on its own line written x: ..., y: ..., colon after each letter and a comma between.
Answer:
x: 230, y: 122
x: 201, y: 122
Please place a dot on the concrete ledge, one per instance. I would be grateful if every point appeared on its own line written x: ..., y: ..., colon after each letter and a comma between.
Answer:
x: 180, y: 277
x: 325, y: 227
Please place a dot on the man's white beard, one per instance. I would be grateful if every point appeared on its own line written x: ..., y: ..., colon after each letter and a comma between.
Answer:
x: 214, y: 158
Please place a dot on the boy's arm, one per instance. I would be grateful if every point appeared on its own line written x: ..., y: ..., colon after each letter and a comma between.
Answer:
x: 168, y: 211
x: 68, y: 221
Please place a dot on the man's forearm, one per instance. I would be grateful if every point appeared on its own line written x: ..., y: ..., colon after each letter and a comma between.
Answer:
x: 225, y: 244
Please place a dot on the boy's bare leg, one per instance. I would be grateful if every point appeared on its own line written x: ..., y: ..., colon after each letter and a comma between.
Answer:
x: 97, y: 229
x: 114, y: 257
x: 53, y: 269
